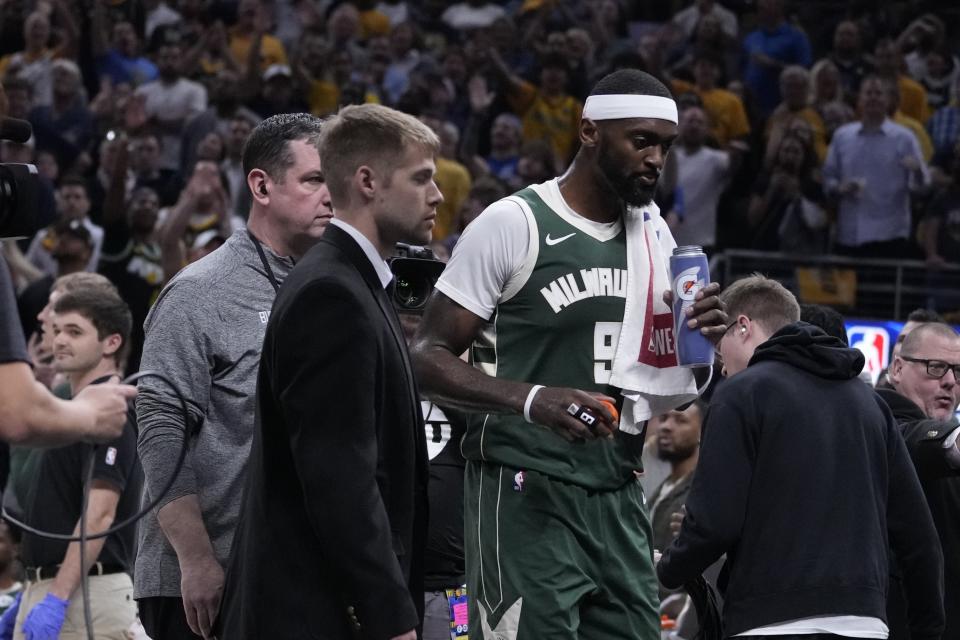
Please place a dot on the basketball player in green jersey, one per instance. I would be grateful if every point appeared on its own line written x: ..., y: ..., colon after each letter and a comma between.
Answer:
x: 557, y: 539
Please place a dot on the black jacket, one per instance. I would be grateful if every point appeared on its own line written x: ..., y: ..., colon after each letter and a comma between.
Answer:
x: 802, y: 479
x: 941, y: 486
x: 333, y: 524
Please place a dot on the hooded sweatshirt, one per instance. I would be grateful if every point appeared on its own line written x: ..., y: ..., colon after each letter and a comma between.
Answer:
x: 803, y: 479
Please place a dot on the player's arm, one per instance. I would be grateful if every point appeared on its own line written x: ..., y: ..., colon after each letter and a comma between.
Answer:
x: 488, y: 264
x: 447, y: 330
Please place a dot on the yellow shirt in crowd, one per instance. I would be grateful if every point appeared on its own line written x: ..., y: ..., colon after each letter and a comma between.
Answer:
x: 373, y: 23
x: 554, y: 120
x: 454, y: 182
x: 913, y: 99
x: 923, y: 138
x: 781, y: 117
x: 323, y: 97
x: 271, y: 49
x: 728, y: 118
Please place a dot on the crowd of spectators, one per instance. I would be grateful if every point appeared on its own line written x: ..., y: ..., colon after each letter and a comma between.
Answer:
x: 807, y: 128
x: 146, y: 103
x: 140, y: 109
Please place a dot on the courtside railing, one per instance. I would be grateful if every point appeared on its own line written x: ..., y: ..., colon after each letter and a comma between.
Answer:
x: 868, y: 288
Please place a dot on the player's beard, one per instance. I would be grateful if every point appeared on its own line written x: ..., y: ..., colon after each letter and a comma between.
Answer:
x: 628, y: 187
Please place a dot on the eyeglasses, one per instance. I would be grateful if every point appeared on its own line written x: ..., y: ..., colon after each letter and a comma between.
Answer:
x: 935, y: 368
x: 716, y: 347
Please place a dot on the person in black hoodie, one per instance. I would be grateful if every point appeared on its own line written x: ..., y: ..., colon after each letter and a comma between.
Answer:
x: 926, y: 388
x: 802, y: 481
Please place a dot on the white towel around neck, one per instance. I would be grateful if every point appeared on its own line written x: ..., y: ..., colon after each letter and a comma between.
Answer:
x: 644, y: 365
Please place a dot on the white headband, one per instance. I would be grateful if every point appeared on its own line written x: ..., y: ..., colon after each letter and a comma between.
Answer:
x: 618, y: 106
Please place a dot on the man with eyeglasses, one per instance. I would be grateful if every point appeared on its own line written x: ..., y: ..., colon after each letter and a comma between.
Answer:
x: 915, y: 318
x: 926, y: 389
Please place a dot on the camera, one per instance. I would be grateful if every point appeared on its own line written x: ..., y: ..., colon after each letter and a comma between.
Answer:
x: 415, y: 271
x: 19, y: 199
x: 20, y: 211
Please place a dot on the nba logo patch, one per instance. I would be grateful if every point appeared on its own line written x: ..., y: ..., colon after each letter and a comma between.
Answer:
x: 518, y: 479
x: 111, y: 456
x: 874, y: 343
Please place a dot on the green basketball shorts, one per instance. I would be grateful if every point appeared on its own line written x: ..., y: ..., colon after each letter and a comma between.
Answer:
x: 547, y: 559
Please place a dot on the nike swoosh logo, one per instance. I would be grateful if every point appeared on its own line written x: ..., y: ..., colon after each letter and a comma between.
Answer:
x: 551, y: 241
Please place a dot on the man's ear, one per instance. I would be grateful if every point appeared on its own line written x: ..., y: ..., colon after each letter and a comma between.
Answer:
x: 589, y: 133
x: 895, y: 372
x: 259, y: 184
x: 112, y: 344
x: 366, y: 181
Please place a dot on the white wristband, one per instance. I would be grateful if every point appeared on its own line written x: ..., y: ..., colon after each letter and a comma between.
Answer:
x: 526, y: 405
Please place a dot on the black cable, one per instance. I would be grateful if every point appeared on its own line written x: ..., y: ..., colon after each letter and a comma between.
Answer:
x: 83, y: 538
x: 84, y: 575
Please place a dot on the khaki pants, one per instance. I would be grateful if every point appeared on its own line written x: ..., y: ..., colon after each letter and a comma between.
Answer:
x: 111, y: 604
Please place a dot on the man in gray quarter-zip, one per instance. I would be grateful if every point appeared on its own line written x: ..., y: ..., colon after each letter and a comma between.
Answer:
x: 205, y: 332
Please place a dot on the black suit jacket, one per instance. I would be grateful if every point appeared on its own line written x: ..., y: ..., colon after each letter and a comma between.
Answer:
x: 331, y: 534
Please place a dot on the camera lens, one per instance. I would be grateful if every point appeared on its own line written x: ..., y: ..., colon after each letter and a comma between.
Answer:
x: 413, y: 280
x: 408, y: 295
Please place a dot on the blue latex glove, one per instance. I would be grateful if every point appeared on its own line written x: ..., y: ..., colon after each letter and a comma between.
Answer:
x: 44, y: 620
x: 9, y: 619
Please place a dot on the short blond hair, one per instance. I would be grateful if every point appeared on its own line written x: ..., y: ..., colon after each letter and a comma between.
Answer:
x: 764, y: 301
x: 372, y: 135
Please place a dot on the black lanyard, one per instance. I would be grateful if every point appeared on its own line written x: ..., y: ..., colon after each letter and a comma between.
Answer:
x: 263, y: 259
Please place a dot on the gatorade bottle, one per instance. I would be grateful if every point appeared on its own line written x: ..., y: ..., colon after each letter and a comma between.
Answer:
x: 690, y: 272
x: 667, y: 627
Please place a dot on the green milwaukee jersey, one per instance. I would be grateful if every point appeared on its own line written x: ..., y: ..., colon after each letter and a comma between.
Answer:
x: 559, y: 329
